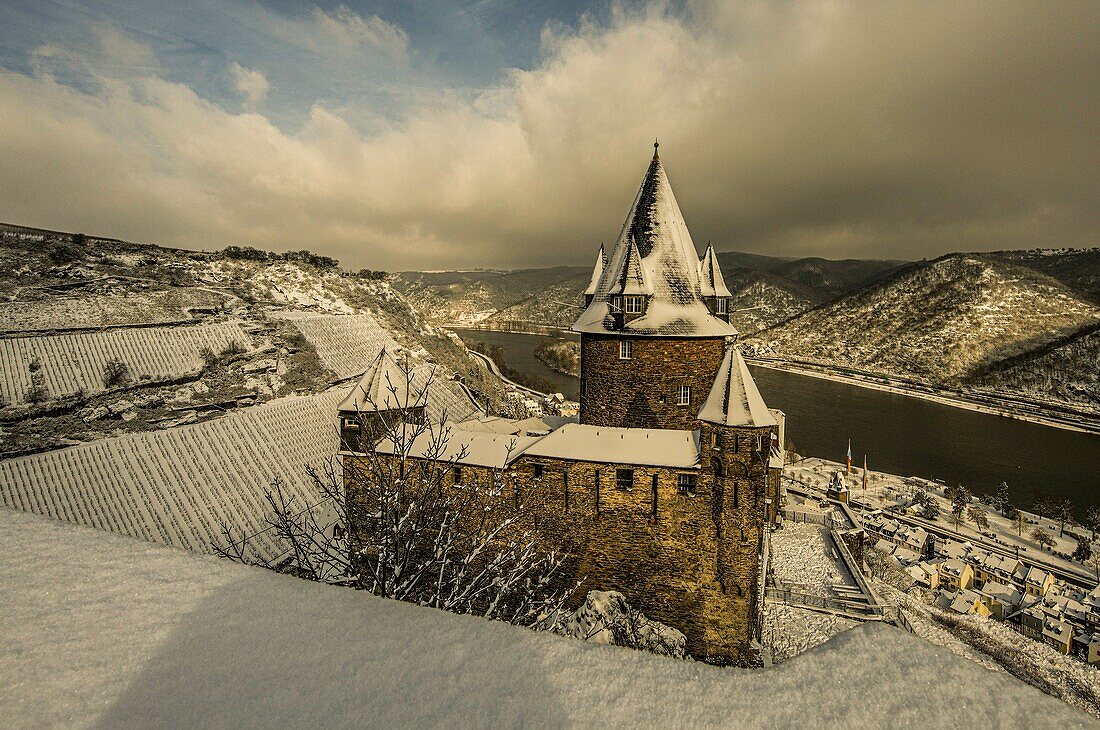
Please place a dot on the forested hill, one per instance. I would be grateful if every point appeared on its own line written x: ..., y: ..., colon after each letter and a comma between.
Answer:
x: 991, y: 320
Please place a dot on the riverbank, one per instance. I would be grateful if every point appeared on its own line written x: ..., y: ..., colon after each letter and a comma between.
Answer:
x: 1030, y: 412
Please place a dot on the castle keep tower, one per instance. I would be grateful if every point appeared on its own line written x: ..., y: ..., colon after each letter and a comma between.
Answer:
x: 655, y: 320
x: 665, y: 488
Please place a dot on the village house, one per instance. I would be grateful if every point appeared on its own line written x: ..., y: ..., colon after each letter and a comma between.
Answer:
x: 664, y: 485
x: 963, y: 602
x: 912, y: 538
x: 955, y: 575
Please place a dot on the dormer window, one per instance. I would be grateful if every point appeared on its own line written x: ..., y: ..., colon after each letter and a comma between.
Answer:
x: 720, y: 306
x: 633, y: 305
x: 626, y: 349
x: 616, y: 304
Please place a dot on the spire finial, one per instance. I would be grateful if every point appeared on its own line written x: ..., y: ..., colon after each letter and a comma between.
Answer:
x: 656, y: 144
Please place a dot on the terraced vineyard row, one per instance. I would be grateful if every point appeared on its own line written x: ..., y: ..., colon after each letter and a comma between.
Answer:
x: 346, y: 343
x: 446, y: 398
x: 85, y: 312
x: 179, y: 486
x: 70, y: 362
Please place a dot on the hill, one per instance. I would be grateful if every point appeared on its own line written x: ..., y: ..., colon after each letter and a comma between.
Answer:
x: 1064, y: 372
x: 776, y: 288
x: 814, y: 278
x: 548, y: 296
x: 941, y: 321
x: 107, y: 631
x: 101, y: 337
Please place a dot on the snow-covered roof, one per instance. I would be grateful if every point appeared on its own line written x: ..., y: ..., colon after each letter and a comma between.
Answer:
x: 639, y: 446
x: 470, y: 448
x: 192, y: 646
x: 711, y: 283
x: 631, y: 277
x: 734, y: 399
x: 597, y: 272
x: 534, y: 425
x: 385, y: 386
x: 654, y: 255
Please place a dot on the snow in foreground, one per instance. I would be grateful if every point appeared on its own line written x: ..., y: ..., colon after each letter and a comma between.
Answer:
x: 97, y: 628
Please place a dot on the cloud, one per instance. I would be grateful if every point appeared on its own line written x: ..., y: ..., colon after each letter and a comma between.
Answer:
x: 813, y: 128
x: 249, y: 83
x: 341, y: 31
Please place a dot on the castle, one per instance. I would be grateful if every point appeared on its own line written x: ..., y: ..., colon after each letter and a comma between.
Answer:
x: 664, y: 487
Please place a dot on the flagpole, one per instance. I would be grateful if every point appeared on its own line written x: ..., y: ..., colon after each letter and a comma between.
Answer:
x: 865, y: 472
x: 849, y: 456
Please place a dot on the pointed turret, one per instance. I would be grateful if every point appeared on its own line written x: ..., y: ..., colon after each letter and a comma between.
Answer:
x: 597, y: 272
x: 711, y: 283
x: 632, y: 278
x: 655, y: 239
x: 734, y: 399
x: 384, y: 387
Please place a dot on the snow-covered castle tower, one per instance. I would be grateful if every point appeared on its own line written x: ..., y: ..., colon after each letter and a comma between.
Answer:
x: 656, y: 319
x: 664, y: 488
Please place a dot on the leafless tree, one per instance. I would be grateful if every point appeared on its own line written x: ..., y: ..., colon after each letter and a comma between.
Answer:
x: 399, y: 527
x: 977, y: 515
x: 1092, y: 520
x: 1063, y: 512
x: 1040, y: 536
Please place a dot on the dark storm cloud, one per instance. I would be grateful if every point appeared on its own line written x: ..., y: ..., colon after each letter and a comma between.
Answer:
x: 821, y: 128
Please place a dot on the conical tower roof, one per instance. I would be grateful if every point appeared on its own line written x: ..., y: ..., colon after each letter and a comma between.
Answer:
x: 711, y: 283
x: 384, y: 387
x: 669, y: 265
x: 597, y: 272
x: 734, y: 399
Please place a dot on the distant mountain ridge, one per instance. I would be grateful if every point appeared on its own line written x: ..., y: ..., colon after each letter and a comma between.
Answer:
x: 1005, y: 320
x: 767, y: 289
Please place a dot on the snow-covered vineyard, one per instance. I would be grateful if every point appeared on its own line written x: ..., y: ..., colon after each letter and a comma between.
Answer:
x: 346, y: 344
x: 72, y: 363
x: 168, y: 306
x: 180, y: 486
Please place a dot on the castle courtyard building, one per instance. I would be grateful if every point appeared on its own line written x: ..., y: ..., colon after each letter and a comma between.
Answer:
x: 664, y: 486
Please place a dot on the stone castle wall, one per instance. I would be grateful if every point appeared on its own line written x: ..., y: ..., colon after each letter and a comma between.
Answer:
x: 693, y: 563
x: 642, y: 392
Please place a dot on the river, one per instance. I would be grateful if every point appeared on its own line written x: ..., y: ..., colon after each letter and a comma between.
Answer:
x: 900, y: 434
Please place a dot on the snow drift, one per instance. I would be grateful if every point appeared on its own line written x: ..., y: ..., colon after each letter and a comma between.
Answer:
x: 100, y: 629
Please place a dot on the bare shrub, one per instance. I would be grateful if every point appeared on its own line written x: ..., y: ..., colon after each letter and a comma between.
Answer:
x: 115, y: 373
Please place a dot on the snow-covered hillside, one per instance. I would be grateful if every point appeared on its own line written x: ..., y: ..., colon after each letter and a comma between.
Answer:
x: 939, y: 321
x: 100, y: 630
x: 1065, y: 371
x: 235, y: 327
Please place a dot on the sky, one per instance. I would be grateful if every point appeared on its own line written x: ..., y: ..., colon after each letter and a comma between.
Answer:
x: 503, y: 134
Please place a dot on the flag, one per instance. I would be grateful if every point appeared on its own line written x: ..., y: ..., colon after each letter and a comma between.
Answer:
x: 865, y: 472
x: 849, y: 456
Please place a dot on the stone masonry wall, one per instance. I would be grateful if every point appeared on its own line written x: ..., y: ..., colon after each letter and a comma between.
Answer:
x: 642, y: 392
x: 693, y: 565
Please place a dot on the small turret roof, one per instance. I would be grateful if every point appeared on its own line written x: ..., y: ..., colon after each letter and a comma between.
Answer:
x: 711, y: 283
x: 385, y: 386
x: 632, y: 278
x: 597, y: 272
x: 656, y: 241
x: 734, y: 399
